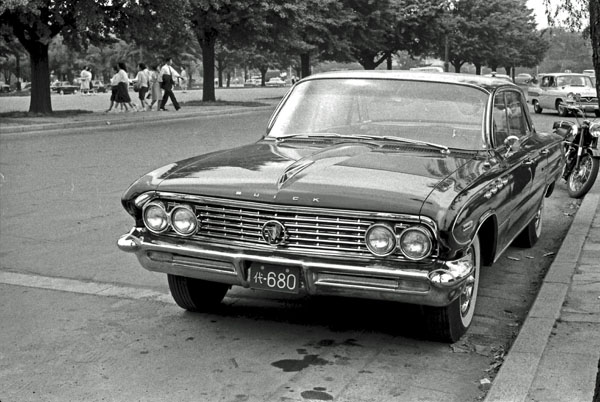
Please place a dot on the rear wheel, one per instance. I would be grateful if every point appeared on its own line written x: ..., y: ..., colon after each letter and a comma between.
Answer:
x: 531, y: 234
x: 536, y: 107
x: 449, y: 323
x: 582, y: 177
x: 196, y: 294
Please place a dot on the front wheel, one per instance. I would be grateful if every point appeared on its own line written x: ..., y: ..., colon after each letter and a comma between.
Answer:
x: 536, y: 107
x: 196, y: 294
x: 582, y: 177
x: 562, y: 109
x: 448, y: 324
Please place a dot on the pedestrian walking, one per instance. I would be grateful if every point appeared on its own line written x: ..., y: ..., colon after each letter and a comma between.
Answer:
x: 85, y: 80
x: 114, y: 87
x: 155, y: 91
x: 184, y: 79
x: 142, y: 82
x: 122, y: 95
x: 167, y: 77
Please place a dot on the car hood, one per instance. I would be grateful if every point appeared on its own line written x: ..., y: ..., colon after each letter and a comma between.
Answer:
x: 355, y: 176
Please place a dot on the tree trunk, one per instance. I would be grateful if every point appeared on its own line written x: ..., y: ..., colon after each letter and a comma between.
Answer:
x: 40, y: 78
x: 595, y: 38
x: 477, y: 69
x: 389, y: 62
x: 207, y: 43
x: 263, y: 75
x: 18, y: 69
x: 508, y: 70
x: 305, y: 65
x: 457, y: 66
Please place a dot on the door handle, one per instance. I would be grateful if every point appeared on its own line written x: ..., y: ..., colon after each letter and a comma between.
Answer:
x: 544, y: 152
x: 528, y: 162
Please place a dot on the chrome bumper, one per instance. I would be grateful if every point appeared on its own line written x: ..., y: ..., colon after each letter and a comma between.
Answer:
x: 433, y: 284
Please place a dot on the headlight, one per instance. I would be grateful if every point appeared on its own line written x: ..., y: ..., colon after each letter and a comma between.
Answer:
x: 155, y: 217
x: 595, y: 129
x: 570, y: 97
x: 415, y: 243
x: 380, y: 239
x: 184, y: 220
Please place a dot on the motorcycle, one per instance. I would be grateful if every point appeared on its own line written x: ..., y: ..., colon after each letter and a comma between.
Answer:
x: 581, y: 151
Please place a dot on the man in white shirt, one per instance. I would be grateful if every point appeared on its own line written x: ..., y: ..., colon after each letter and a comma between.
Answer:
x: 167, y: 77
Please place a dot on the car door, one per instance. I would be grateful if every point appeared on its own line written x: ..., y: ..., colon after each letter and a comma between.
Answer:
x: 510, y: 139
x: 545, y: 87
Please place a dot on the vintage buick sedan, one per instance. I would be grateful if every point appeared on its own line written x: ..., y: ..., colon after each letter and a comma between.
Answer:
x: 393, y: 185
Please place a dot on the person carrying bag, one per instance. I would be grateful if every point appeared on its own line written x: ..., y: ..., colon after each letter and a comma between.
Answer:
x: 168, y: 74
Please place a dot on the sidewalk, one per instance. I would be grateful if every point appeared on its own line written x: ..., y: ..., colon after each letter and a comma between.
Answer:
x: 556, y: 355
x: 97, y: 119
x: 234, y: 101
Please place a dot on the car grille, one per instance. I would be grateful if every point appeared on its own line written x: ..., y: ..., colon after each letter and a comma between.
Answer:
x: 324, y: 231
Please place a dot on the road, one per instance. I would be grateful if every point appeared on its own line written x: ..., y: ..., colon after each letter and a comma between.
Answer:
x: 83, y: 321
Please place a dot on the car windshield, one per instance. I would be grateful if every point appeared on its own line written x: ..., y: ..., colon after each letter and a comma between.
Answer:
x: 574, y: 81
x: 445, y: 114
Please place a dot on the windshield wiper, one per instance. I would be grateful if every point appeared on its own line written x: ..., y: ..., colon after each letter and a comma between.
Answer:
x: 322, y: 135
x: 443, y: 148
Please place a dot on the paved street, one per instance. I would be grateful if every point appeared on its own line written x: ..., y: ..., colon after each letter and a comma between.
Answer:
x: 88, y: 323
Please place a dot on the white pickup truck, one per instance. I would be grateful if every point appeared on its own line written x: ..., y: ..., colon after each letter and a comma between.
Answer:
x: 557, y: 89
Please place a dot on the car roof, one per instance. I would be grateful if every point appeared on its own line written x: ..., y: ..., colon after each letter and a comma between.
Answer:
x: 486, y: 83
x: 562, y: 74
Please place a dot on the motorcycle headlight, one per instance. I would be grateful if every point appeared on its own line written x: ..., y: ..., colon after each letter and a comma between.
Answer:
x: 155, y: 217
x: 184, y: 220
x: 380, y: 239
x: 416, y: 243
x: 595, y: 129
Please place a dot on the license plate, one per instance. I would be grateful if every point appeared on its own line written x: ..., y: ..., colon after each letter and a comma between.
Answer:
x: 274, y: 277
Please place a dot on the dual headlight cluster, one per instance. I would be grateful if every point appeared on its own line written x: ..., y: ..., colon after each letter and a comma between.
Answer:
x: 181, y: 218
x: 415, y: 242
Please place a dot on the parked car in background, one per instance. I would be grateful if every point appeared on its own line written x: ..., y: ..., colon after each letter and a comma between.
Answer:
x: 523, y: 79
x: 64, y: 87
x: 556, y: 89
x: 592, y: 74
x: 275, y: 82
x: 253, y: 82
x: 98, y: 86
x: 4, y: 87
x: 384, y: 185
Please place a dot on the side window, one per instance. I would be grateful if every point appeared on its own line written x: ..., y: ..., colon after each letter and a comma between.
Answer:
x: 500, y: 120
x: 545, y: 82
x: 517, y: 122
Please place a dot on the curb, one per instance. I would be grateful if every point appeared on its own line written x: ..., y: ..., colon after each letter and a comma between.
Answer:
x: 139, y: 117
x: 518, y: 371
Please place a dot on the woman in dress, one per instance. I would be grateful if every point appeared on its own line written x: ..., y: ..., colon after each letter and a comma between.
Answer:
x: 123, y: 88
x: 154, y: 86
x: 114, y: 81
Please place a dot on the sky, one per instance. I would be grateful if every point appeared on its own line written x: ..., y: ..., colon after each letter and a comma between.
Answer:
x: 540, y: 13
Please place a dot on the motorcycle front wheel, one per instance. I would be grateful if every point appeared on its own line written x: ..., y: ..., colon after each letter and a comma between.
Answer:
x: 582, y: 177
